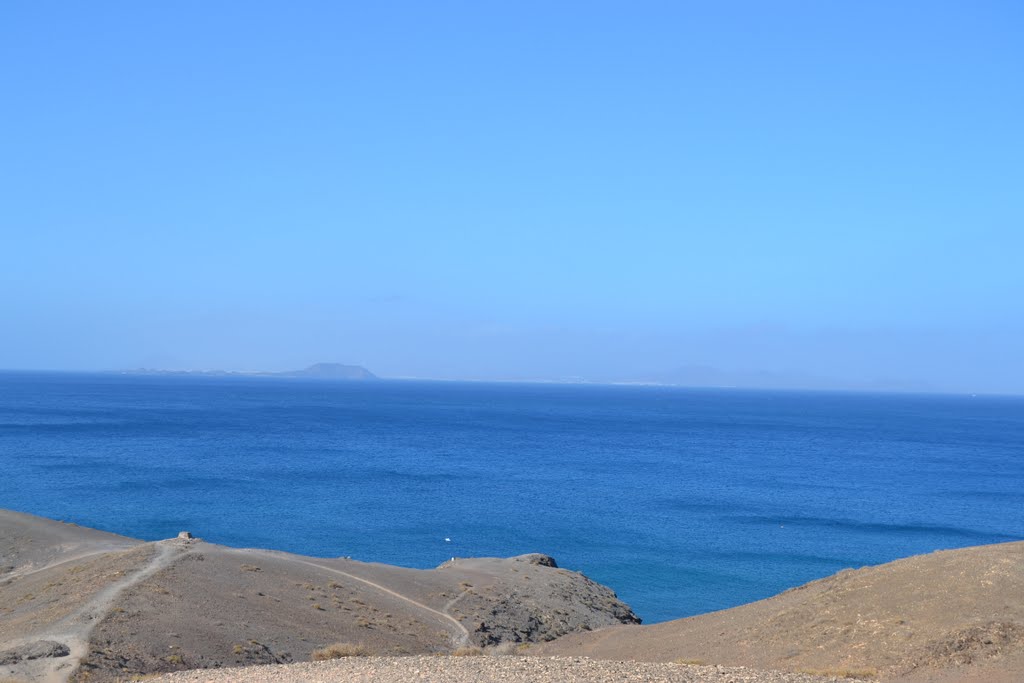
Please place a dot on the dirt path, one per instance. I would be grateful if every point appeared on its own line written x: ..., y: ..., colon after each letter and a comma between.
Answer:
x: 447, y: 609
x: 30, y: 569
x: 74, y: 630
x: 461, y: 635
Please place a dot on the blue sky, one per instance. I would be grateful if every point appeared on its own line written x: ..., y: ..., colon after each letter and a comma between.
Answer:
x: 516, y: 190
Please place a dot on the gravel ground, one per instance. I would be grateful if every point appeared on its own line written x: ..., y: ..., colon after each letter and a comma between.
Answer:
x: 487, y: 670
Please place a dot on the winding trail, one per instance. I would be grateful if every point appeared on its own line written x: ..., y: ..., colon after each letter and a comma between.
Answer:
x: 460, y: 636
x: 29, y: 570
x: 74, y: 630
x: 451, y: 603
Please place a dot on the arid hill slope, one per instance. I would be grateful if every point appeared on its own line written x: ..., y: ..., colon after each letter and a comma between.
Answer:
x: 81, y: 604
x: 954, y: 615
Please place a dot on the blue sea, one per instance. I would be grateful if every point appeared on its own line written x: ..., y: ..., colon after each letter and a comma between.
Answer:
x: 682, y: 500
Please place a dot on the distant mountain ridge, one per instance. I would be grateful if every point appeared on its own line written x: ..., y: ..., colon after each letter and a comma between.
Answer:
x: 324, y: 371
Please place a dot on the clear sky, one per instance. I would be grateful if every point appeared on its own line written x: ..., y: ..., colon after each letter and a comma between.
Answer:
x: 607, y: 190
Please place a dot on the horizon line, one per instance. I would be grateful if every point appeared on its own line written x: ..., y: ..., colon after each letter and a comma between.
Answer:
x: 271, y: 375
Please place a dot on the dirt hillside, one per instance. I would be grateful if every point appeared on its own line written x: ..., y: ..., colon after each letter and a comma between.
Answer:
x: 76, y: 604
x: 954, y: 615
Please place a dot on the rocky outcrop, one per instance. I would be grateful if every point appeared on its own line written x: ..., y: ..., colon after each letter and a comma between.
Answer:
x: 536, y: 601
x: 40, y: 649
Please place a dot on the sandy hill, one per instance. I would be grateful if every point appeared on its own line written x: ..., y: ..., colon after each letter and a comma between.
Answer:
x: 79, y: 604
x: 954, y: 615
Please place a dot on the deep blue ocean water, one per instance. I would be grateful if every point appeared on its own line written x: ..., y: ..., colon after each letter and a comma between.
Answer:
x: 682, y: 500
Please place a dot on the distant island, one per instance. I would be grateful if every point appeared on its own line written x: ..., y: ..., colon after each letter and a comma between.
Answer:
x: 324, y: 371
x: 330, y: 371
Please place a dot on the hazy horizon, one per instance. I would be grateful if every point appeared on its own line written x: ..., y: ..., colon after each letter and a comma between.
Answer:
x: 695, y: 377
x: 823, y: 193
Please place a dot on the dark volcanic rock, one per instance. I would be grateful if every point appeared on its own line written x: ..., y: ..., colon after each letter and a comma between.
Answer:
x: 538, y: 559
x: 37, y: 650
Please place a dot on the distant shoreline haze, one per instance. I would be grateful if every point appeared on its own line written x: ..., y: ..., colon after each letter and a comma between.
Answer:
x: 332, y: 371
x: 686, y: 376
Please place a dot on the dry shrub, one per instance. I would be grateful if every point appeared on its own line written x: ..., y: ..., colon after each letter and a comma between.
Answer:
x: 339, y: 650
x: 505, y: 649
x: 467, y: 652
